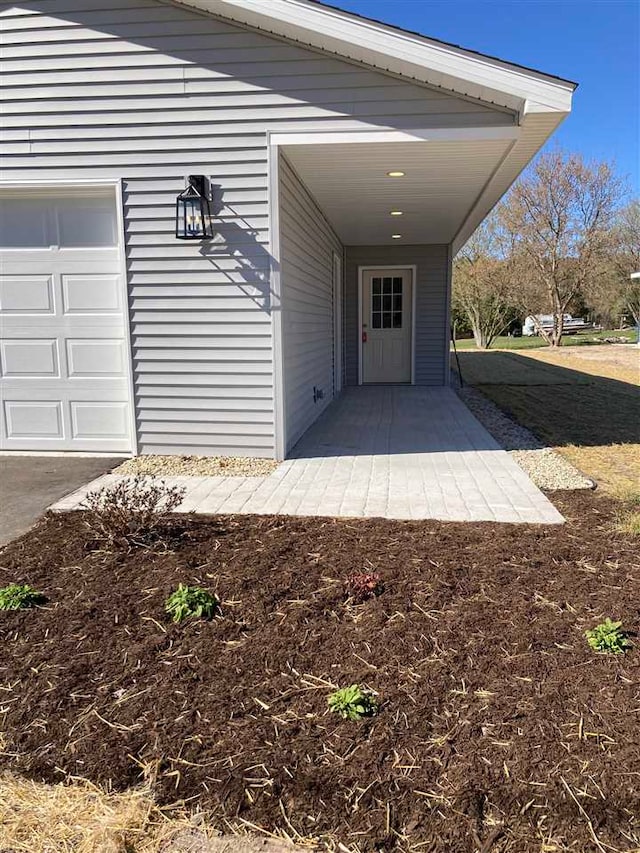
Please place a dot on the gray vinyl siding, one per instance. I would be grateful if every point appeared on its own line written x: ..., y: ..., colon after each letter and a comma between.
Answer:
x: 307, y: 247
x: 148, y: 93
x: 431, y: 320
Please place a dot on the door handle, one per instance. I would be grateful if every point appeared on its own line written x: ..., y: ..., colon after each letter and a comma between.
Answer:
x: 364, y: 337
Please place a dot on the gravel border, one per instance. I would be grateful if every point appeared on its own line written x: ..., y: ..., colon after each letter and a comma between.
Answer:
x: 197, y: 466
x: 545, y: 466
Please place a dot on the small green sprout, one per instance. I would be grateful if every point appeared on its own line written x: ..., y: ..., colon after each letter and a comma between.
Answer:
x: 191, y: 601
x: 353, y: 703
x: 19, y: 597
x: 608, y: 637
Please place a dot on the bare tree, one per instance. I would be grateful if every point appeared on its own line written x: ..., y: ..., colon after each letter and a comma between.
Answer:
x: 626, y: 257
x: 559, y: 215
x: 481, y: 282
x: 614, y: 292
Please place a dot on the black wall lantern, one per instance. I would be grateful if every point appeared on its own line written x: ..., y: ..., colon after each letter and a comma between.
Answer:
x: 193, y: 215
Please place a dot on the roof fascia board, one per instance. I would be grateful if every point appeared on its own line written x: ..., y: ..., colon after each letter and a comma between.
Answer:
x: 411, y: 56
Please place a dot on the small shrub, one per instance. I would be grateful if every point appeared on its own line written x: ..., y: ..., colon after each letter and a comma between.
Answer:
x: 353, y: 703
x: 130, y: 512
x: 191, y: 602
x: 363, y: 585
x: 19, y: 597
x: 608, y: 637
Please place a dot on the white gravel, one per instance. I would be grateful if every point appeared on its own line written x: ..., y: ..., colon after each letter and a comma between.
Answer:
x: 197, y: 466
x: 547, y: 468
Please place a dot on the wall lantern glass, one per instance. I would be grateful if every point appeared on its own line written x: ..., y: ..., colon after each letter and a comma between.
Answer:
x: 193, y: 214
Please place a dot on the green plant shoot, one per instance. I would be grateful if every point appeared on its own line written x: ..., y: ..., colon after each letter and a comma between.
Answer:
x: 19, y: 597
x: 608, y: 638
x: 353, y: 703
x: 191, y: 602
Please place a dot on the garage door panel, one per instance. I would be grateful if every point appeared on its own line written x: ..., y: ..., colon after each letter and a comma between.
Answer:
x: 93, y: 420
x: 64, y: 351
x: 26, y: 294
x: 98, y: 294
x: 29, y: 358
x: 95, y: 358
x: 36, y: 419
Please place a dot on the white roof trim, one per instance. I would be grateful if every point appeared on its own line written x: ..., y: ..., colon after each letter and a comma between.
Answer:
x: 409, y: 55
x: 337, y: 137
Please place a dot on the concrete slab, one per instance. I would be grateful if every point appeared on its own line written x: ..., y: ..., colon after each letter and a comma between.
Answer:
x: 29, y: 484
x: 396, y: 452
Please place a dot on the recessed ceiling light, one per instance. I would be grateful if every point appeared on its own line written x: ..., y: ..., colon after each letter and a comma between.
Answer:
x: 396, y: 236
x: 395, y: 174
x: 396, y: 212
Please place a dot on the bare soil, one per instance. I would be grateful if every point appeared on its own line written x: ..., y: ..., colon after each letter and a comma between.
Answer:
x: 500, y: 730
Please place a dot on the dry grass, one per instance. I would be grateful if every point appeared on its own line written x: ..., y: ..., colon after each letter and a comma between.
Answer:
x: 614, y: 467
x: 621, y: 362
x: 629, y: 517
x: 81, y: 818
x: 583, y: 401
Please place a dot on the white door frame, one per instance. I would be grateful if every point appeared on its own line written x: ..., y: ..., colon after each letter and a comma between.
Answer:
x: 361, y: 271
x: 49, y: 187
x: 338, y: 355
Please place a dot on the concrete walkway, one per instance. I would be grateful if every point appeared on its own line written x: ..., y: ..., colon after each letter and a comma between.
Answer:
x: 391, y: 452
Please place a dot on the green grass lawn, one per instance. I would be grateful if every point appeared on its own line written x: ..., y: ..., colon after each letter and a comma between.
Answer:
x: 582, y: 339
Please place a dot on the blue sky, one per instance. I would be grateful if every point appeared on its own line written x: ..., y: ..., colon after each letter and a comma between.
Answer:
x: 596, y: 43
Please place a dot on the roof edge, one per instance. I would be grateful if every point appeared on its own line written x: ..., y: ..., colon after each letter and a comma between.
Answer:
x: 506, y: 62
x: 389, y: 48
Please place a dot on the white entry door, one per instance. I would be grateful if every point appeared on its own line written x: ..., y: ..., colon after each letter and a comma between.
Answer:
x: 387, y: 323
x: 63, y: 347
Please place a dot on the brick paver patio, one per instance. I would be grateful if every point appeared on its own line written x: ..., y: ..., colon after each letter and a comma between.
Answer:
x: 386, y: 451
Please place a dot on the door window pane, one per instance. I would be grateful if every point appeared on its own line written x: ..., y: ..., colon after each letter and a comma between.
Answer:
x: 387, y: 302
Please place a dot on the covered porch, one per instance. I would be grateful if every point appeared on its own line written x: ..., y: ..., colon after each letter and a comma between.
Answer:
x: 368, y: 223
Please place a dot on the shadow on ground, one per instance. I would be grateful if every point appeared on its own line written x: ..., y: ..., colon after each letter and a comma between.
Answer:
x: 559, y: 405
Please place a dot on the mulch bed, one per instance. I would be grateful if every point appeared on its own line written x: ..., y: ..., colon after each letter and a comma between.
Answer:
x: 500, y: 730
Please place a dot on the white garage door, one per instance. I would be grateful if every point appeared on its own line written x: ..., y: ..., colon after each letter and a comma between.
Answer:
x: 63, y: 349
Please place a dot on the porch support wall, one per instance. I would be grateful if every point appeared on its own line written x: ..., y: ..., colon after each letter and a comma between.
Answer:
x: 307, y: 248
x: 432, y: 263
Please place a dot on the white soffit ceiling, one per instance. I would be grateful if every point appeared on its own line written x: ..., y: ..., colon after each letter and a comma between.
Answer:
x: 442, y: 183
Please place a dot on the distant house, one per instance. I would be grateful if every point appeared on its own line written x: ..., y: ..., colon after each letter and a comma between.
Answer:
x: 571, y: 325
x: 343, y: 162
